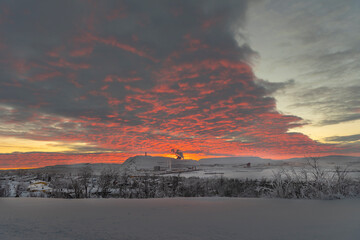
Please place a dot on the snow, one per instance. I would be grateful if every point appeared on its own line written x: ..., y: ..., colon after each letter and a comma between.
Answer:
x: 235, y: 167
x: 179, y: 218
x: 138, y: 163
x: 236, y: 161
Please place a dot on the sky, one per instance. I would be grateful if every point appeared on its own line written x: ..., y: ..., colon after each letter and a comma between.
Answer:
x: 101, y: 81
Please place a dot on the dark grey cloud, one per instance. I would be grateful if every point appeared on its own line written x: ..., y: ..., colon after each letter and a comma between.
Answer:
x: 337, y: 104
x: 316, y: 43
x: 272, y: 87
x: 39, y: 37
x: 349, y: 138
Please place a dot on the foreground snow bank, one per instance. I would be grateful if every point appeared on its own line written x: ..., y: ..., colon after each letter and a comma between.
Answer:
x: 179, y: 218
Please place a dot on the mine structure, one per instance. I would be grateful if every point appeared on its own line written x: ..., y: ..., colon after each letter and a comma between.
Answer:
x: 179, y: 155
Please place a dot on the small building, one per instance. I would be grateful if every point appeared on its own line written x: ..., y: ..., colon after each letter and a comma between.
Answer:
x: 39, y: 186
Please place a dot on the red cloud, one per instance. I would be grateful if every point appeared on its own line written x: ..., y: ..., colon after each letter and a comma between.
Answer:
x: 111, y: 78
x: 65, y: 64
x: 44, y: 76
x: 114, y: 42
x: 82, y: 52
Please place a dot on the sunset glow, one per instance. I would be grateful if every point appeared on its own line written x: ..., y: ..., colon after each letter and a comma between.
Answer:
x: 92, y: 82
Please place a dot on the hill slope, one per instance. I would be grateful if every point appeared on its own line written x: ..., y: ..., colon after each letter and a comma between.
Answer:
x: 139, y: 163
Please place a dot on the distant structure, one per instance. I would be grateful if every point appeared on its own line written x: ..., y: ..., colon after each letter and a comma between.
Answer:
x: 246, y: 165
x: 39, y: 186
x: 178, y: 154
x: 169, y: 164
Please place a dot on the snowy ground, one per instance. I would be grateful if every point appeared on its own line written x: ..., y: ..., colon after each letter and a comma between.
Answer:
x: 257, y: 172
x: 235, y: 167
x: 191, y: 218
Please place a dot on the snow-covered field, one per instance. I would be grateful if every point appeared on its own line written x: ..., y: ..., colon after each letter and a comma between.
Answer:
x: 236, y: 167
x: 178, y: 218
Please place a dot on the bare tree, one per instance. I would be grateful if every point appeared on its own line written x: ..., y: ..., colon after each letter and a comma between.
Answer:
x: 85, y: 175
x: 107, y: 180
x: 76, y: 186
x: 57, y: 186
x: 123, y: 182
x: 4, y: 190
x: 317, y: 172
x: 341, y: 181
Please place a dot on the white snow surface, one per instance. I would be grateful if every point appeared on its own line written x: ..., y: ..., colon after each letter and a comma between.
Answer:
x: 235, y: 167
x: 139, y: 163
x: 178, y: 218
x: 236, y: 161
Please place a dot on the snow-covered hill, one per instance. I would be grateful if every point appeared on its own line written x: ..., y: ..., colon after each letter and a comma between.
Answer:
x: 234, y: 167
x: 75, y: 168
x: 141, y: 163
